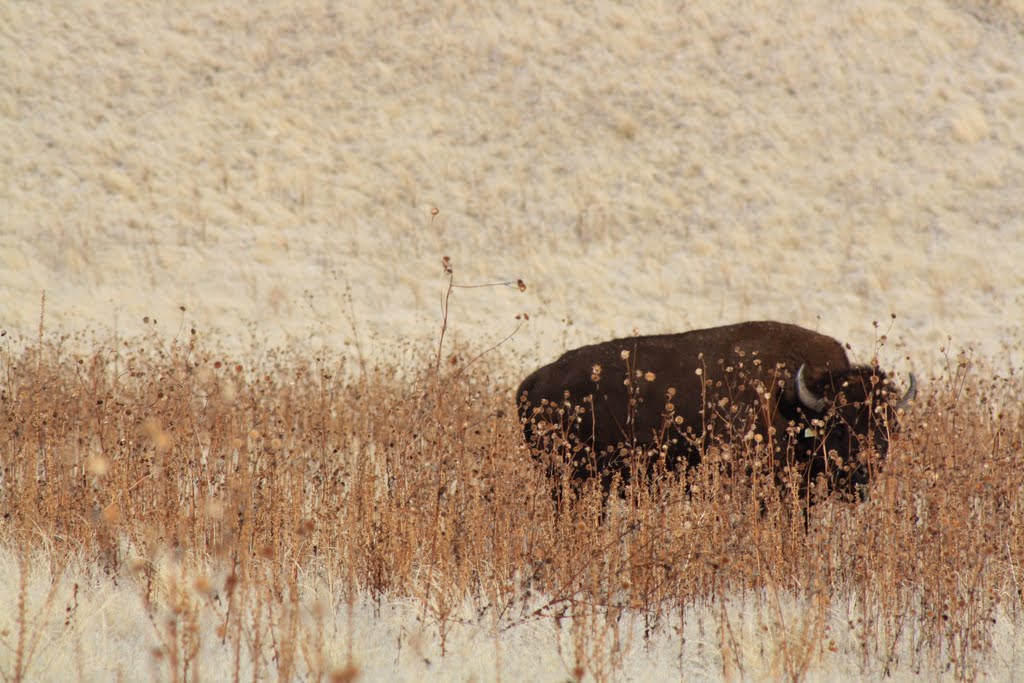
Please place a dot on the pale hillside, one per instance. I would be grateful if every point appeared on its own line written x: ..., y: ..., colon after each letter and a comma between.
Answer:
x: 650, y: 167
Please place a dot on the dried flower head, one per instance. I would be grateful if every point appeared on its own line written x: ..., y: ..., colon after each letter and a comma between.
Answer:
x: 97, y: 465
x: 202, y: 585
x: 112, y: 514
x: 163, y: 441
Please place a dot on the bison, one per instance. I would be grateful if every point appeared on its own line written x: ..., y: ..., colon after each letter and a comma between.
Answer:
x: 662, y: 401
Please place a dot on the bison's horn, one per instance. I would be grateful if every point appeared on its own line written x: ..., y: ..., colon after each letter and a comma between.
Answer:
x: 806, y: 396
x: 910, y: 394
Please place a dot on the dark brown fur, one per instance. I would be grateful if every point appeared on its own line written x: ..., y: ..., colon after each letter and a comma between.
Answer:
x: 579, y: 411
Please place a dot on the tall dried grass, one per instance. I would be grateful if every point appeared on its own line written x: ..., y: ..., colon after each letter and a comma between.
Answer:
x: 216, y: 486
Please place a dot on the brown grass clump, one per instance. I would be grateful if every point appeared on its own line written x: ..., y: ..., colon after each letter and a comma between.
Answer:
x: 215, y: 484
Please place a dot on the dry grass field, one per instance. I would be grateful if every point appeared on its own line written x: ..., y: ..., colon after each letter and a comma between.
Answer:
x: 241, y: 439
x: 174, y: 513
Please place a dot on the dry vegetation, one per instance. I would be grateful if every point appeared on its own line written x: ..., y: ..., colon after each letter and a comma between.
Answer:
x: 655, y: 164
x: 220, y: 488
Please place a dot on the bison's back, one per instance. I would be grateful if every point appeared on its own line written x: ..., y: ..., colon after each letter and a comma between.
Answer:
x: 678, y: 357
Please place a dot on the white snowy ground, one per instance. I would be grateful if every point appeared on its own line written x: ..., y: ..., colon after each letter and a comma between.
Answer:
x: 652, y: 166
x: 111, y: 637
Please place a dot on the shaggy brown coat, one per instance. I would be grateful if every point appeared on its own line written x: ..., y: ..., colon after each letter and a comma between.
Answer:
x: 669, y: 398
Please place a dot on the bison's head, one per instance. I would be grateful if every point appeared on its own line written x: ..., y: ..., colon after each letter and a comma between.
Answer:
x: 848, y: 418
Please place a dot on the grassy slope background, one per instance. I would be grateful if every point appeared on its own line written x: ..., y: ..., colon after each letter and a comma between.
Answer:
x: 658, y: 167
x: 654, y: 167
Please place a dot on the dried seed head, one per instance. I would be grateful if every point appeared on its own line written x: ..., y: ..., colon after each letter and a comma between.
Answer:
x: 202, y: 585
x: 345, y: 674
x: 163, y: 441
x: 97, y: 465
x: 112, y: 514
x: 150, y: 427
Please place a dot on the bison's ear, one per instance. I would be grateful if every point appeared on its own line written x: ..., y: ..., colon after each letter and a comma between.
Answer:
x: 807, y: 388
